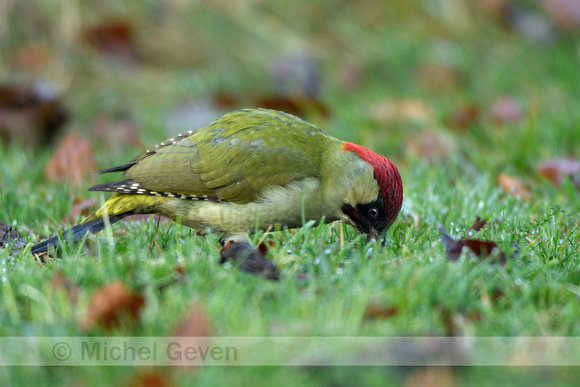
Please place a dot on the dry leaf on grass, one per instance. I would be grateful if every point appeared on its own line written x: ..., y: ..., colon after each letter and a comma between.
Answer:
x: 73, y: 161
x: 379, y: 311
x: 481, y: 249
x: 151, y: 377
x: 514, y: 186
x: 556, y: 169
x: 30, y: 115
x: 195, y: 324
x: 249, y: 259
x: 112, y: 304
x: 115, y: 40
x: 195, y: 329
x: 479, y: 224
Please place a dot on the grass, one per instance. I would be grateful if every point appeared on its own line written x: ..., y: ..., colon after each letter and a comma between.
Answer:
x: 534, y: 294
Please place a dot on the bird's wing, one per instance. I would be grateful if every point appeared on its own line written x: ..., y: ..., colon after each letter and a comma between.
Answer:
x: 233, y: 159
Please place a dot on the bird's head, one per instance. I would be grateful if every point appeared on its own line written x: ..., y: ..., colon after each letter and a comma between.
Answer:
x: 375, y: 195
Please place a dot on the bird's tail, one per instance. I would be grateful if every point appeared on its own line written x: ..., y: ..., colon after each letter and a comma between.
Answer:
x: 78, y: 232
x: 115, y: 209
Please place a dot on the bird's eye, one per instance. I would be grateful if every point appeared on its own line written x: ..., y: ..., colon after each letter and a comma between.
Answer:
x: 373, y: 212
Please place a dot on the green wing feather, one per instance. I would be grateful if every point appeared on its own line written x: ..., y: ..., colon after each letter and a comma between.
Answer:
x: 235, y: 158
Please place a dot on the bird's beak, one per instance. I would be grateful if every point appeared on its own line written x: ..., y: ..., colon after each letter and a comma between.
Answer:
x: 374, y: 235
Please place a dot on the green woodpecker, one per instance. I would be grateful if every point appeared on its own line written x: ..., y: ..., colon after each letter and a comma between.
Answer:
x: 251, y: 167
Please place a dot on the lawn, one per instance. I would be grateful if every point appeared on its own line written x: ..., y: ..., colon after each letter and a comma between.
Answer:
x: 466, y: 101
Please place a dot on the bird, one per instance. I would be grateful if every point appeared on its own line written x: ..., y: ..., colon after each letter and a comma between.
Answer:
x: 251, y: 169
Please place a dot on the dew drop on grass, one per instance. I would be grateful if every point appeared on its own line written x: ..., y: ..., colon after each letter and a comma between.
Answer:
x: 340, y: 270
x: 431, y: 259
x: 369, y: 252
x: 518, y: 281
x: 316, y: 261
x: 470, y: 233
x: 289, y: 251
x: 327, y: 251
x: 227, y: 265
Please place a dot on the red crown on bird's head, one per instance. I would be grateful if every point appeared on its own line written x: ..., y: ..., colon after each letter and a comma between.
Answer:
x: 387, y: 176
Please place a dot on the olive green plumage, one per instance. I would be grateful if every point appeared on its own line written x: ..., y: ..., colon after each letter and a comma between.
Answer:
x: 235, y: 158
x: 250, y: 167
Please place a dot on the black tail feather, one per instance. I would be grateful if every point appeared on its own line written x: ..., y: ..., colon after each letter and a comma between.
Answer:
x: 120, y: 168
x: 78, y: 232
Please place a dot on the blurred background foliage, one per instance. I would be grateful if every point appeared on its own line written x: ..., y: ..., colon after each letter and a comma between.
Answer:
x: 175, y: 64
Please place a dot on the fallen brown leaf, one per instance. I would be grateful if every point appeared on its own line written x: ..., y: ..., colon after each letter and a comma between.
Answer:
x: 112, y: 304
x: 478, y: 224
x: 30, y: 115
x: 115, y: 40
x: 195, y: 324
x: 194, y: 328
x: 514, y: 186
x: 151, y: 378
x: 481, y: 249
x: 73, y: 161
x: 249, y: 259
x: 378, y: 311
x: 556, y: 169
